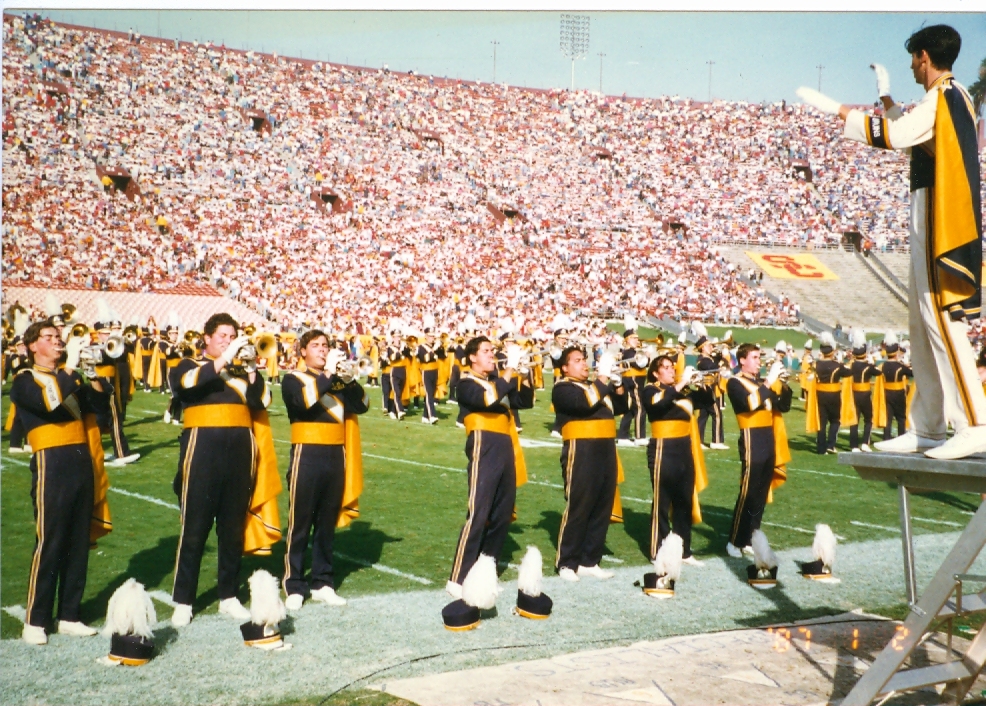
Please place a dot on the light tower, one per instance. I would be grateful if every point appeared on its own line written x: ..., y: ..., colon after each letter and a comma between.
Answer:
x: 574, y: 38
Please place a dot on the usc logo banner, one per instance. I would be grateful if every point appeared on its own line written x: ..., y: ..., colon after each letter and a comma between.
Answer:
x: 792, y: 266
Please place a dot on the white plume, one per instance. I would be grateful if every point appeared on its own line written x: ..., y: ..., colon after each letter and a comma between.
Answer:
x: 507, y: 325
x: 827, y: 339
x: 52, y: 307
x: 266, y: 607
x: 809, y: 343
x: 858, y: 338
x: 480, y: 588
x: 469, y: 322
x: 629, y: 322
x: 135, y: 320
x: 763, y: 555
x: 428, y: 321
x: 130, y: 611
x: 103, y: 312
x: 173, y: 319
x: 699, y: 330
x: 824, y: 545
x: 890, y: 339
x: 668, y: 561
x: 20, y: 323
x: 529, y: 576
x: 781, y: 346
x: 560, y: 321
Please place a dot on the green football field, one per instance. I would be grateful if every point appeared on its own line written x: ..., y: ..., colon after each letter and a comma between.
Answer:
x: 414, y: 504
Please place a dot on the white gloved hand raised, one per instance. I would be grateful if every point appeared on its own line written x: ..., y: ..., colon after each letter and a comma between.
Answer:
x: 73, y: 351
x: 605, y: 366
x: 819, y: 100
x: 775, y: 372
x: 234, y: 347
x: 332, y: 361
x: 514, y: 353
x: 882, y: 80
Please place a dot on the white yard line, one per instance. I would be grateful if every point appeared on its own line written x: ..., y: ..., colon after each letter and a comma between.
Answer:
x: 162, y: 597
x: 146, y: 498
x: 895, y: 530
x: 938, y: 522
x: 16, y: 611
x: 802, y: 530
x: 384, y: 569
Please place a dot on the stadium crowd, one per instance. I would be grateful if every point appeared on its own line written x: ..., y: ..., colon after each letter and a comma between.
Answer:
x: 230, y: 150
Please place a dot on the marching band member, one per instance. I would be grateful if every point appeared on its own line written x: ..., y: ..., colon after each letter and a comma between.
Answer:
x: 763, y: 448
x: 17, y: 360
x: 114, y: 374
x: 144, y: 350
x: 828, y: 404
x: 634, y: 379
x: 708, y: 398
x: 395, y: 358
x: 863, y: 372
x: 945, y: 240
x: 325, y: 475
x: 429, y: 357
x: 589, y: 462
x: 68, y: 480
x: 894, y: 383
x: 220, y: 461
x: 807, y: 369
x: 496, y: 462
x: 674, y: 455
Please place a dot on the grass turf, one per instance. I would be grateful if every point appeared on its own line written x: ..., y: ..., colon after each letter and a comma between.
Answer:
x: 413, y: 506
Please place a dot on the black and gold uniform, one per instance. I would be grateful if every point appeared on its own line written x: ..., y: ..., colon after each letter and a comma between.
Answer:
x: 585, y: 412
x: 216, y: 469
x: 708, y: 399
x: 324, y: 462
x: 145, y: 349
x: 895, y: 375
x: 494, y: 455
x: 863, y: 373
x: 459, y: 364
x: 634, y: 379
x: 676, y: 464
x: 68, y: 486
x: 395, y: 358
x: 114, y: 373
x: 430, y: 356
x: 14, y: 363
x: 763, y: 449
x: 829, y: 403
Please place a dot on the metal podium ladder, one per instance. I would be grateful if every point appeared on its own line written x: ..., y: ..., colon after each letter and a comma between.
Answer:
x: 944, y: 598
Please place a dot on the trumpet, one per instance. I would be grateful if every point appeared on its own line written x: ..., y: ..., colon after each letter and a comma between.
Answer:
x: 131, y: 334
x: 79, y: 330
x: 261, y: 345
x: 192, y: 336
x: 68, y: 312
x: 639, y: 361
x: 91, y: 356
x: 9, y: 333
x: 692, y: 377
x: 349, y: 370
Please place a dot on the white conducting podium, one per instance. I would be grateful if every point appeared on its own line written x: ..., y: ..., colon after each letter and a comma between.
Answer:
x: 946, y: 597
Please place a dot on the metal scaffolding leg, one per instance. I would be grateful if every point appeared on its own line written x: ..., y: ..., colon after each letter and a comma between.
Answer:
x: 907, y: 542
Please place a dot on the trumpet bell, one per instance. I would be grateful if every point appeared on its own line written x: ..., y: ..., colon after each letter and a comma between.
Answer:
x: 79, y: 330
x: 115, y: 345
x: 249, y: 330
x: 266, y: 344
x: 68, y: 312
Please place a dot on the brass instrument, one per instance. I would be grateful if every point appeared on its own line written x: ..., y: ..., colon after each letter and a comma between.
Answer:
x: 657, y: 340
x: 68, y: 312
x: 349, y: 370
x: 9, y: 333
x: 13, y: 310
x: 91, y: 356
x: 79, y: 330
x: 131, y: 333
x: 192, y: 336
x: 249, y: 330
x: 639, y: 361
x: 261, y: 345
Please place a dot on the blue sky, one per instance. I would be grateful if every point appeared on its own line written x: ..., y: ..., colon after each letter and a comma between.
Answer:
x: 758, y: 55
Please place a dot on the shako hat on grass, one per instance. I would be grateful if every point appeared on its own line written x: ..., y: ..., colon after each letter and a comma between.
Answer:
x: 479, y: 592
x: 531, y: 602
x: 667, y: 569
x: 266, y: 612
x: 762, y: 573
x: 823, y: 549
x: 129, y: 617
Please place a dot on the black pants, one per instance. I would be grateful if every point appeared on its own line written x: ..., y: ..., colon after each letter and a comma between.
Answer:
x: 165, y: 385
x: 17, y: 432
x: 316, y: 480
x: 589, y: 472
x: 713, y: 412
x: 672, y: 476
x: 756, y: 448
x: 453, y: 380
x: 388, y: 405
x: 896, y: 410
x: 429, y: 379
x: 398, y: 379
x: 145, y: 366
x: 864, y: 410
x: 112, y: 423
x: 635, y: 415
x: 829, y: 413
x: 214, y: 484
x: 175, y: 409
x: 62, y: 492
x: 492, y: 481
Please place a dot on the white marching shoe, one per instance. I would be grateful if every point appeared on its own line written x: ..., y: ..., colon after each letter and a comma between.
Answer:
x: 167, y: 417
x: 454, y: 589
x: 75, y: 628
x: 641, y: 442
x: 566, y: 574
x: 624, y: 442
x: 294, y: 601
x: 327, y: 595
x: 182, y: 615
x: 968, y: 442
x: 33, y: 635
x: 736, y: 552
x: 719, y: 447
x: 117, y: 462
x: 908, y: 443
x: 595, y: 571
x: 233, y: 608
x: 692, y: 561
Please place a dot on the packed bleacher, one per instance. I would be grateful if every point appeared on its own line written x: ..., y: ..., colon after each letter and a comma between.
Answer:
x: 445, y: 196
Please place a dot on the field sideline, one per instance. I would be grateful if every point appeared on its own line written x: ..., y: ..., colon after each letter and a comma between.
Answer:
x: 414, y: 504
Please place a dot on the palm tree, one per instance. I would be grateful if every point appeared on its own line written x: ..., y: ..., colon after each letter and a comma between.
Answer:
x: 978, y: 89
